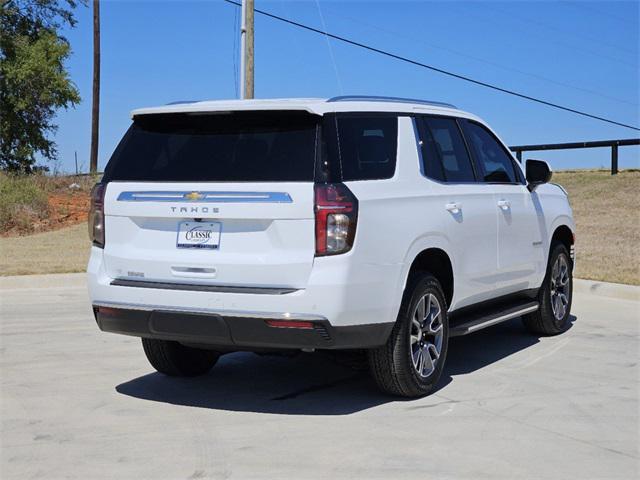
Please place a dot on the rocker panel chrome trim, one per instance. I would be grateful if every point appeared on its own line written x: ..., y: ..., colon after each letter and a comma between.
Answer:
x: 475, y: 325
x: 502, y: 318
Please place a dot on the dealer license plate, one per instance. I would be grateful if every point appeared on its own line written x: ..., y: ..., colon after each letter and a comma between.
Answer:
x: 199, y: 235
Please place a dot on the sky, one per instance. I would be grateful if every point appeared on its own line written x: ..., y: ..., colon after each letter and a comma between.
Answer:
x: 582, y: 54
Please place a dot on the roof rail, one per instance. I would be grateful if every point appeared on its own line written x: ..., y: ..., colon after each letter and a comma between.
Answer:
x: 355, y: 98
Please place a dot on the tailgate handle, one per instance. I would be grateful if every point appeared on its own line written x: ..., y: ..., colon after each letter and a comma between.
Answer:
x: 194, y: 272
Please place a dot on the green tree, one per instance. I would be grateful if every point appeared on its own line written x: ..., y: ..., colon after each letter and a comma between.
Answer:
x: 33, y: 80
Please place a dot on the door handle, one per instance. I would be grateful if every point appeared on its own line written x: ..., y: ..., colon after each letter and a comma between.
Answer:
x: 504, y: 204
x: 453, y: 207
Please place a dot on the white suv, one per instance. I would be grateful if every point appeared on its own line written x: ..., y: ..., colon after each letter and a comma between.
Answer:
x: 361, y: 223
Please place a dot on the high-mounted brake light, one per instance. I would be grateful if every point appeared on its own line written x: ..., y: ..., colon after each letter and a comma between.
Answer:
x: 96, y: 215
x: 336, y: 210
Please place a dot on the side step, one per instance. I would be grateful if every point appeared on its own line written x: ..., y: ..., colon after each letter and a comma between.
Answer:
x: 487, y: 318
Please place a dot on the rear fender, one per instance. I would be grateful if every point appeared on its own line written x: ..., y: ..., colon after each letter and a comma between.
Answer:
x: 433, y: 240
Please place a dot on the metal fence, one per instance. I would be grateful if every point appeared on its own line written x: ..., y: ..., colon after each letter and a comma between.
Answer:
x: 613, y: 144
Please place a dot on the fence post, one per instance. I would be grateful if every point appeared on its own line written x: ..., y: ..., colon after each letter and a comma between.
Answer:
x: 519, y: 155
x: 614, y: 159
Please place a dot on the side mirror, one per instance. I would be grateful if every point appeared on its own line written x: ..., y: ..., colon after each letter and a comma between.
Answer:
x: 537, y: 172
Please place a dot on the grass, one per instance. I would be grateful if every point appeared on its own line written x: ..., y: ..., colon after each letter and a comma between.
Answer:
x: 58, y: 251
x: 606, y: 209
x: 607, y: 215
x: 22, y: 202
x: 25, y: 199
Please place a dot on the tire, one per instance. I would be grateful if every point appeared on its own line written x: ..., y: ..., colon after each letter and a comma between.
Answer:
x: 393, y: 366
x: 550, y: 319
x: 176, y: 360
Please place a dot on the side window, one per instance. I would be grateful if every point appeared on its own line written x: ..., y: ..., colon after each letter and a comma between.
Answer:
x: 496, y: 165
x: 448, y: 145
x: 431, y: 161
x: 367, y: 146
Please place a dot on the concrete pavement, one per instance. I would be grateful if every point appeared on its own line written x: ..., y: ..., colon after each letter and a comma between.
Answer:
x: 78, y: 403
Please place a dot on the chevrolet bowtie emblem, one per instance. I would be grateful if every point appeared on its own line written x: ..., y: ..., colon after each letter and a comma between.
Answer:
x: 193, y: 196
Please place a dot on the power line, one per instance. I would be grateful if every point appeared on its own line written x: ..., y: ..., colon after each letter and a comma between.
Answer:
x: 607, y: 13
x: 573, y: 47
x: 478, y: 59
x: 599, y: 40
x: 436, y: 69
x: 333, y: 59
x: 235, y: 51
x: 546, y: 40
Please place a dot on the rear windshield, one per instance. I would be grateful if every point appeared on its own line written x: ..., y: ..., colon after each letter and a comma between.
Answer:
x: 232, y: 147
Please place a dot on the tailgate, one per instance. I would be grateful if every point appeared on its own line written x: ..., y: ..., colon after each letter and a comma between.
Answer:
x: 214, y: 198
x: 262, y: 237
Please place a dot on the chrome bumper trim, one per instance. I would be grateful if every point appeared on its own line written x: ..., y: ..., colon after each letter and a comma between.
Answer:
x: 119, y: 282
x: 211, y: 311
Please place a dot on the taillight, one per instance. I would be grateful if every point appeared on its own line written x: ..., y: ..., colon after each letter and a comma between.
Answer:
x: 336, y: 211
x: 96, y: 215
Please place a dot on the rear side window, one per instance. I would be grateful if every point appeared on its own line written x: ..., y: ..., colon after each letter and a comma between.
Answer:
x: 450, y: 150
x: 367, y: 146
x: 231, y: 147
x: 432, y: 163
x: 496, y: 165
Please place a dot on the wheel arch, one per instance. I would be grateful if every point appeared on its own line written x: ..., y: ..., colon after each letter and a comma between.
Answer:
x: 564, y: 234
x: 436, y: 261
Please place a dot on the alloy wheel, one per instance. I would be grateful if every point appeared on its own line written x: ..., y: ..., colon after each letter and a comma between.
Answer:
x: 560, y: 287
x: 426, y: 335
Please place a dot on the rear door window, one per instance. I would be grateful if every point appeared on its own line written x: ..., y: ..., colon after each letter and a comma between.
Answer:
x: 367, y: 146
x: 225, y: 147
x: 431, y: 160
x: 496, y: 165
x: 446, y: 143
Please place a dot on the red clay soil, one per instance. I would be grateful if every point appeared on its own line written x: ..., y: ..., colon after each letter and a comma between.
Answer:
x: 66, y: 209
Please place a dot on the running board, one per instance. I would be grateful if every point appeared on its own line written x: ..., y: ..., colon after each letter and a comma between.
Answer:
x: 485, y: 319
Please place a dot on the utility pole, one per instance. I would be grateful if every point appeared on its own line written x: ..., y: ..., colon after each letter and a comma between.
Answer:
x: 246, y: 49
x: 95, y: 109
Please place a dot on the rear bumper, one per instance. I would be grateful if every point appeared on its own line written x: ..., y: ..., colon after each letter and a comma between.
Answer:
x: 237, y: 332
x: 336, y: 291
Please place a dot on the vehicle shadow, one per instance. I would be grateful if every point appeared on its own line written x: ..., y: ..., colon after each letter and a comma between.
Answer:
x: 473, y: 352
x: 313, y: 384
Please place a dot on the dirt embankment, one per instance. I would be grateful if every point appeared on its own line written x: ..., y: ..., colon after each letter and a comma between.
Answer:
x: 36, y: 204
x: 66, y: 209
